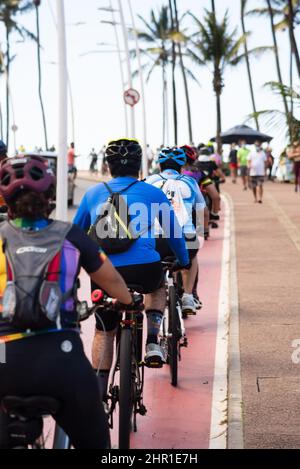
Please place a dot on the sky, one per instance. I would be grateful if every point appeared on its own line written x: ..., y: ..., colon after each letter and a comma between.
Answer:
x: 96, y: 84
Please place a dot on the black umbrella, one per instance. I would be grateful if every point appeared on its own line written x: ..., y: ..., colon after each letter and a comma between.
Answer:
x: 243, y: 132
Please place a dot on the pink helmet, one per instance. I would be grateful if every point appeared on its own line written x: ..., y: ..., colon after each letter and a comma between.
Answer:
x: 25, y: 172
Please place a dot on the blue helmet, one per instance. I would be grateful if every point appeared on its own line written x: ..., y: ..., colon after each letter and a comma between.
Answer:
x: 178, y: 155
x: 3, y: 148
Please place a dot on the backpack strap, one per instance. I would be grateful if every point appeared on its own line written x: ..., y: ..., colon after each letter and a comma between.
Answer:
x: 123, y: 190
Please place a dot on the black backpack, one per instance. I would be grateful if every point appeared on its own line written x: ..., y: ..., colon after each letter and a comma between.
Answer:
x: 111, y: 230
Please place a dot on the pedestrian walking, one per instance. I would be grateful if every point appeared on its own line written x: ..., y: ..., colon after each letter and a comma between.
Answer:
x: 94, y: 160
x: 293, y: 154
x: 71, y: 160
x: 270, y: 163
x: 233, y: 162
x: 257, y: 164
x: 242, y: 158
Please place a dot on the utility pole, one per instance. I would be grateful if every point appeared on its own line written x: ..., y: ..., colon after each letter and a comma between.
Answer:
x: 62, y: 165
x: 141, y: 75
x: 125, y: 34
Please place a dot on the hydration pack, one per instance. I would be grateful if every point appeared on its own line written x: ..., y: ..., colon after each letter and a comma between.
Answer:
x: 176, y: 191
x: 111, y: 230
x: 32, y: 298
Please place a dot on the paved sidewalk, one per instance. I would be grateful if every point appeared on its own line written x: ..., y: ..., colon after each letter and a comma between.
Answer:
x: 268, y: 268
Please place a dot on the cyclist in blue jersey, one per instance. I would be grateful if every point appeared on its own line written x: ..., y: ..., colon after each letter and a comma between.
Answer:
x: 184, y: 193
x: 140, y: 264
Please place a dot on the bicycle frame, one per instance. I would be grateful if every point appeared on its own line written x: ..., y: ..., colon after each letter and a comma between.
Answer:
x: 134, y: 323
x: 164, y: 328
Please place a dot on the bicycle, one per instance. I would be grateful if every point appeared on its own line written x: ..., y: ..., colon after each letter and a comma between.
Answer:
x: 25, y: 422
x: 127, y: 389
x: 172, y: 332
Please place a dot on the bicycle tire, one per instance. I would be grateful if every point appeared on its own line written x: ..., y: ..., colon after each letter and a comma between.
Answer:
x: 173, y: 339
x: 126, y: 389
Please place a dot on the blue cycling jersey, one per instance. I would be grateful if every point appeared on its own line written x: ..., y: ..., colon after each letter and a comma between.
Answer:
x: 190, y: 193
x: 145, y: 204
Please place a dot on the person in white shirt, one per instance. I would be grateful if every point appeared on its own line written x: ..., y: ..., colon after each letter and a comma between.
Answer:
x: 257, y: 164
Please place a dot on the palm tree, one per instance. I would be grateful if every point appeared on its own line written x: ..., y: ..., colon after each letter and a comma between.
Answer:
x: 179, y: 38
x: 9, y: 9
x: 216, y: 46
x: 289, y: 11
x: 272, y: 12
x: 275, y: 120
x: 157, y: 35
x: 38, y: 43
x: 243, y: 6
x: 174, y: 57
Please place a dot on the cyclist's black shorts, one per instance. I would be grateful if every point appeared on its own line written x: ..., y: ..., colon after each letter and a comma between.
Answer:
x: 40, y: 366
x: 149, y: 277
x: 164, y: 250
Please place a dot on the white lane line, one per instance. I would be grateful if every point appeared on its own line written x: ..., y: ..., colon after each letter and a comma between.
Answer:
x: 218, y: 429
x: 235, y: 438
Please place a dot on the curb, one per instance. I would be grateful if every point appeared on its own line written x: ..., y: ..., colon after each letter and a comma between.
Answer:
x: 235, y: 436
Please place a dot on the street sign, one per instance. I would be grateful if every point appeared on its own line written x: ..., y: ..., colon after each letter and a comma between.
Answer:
x: 131, y: 97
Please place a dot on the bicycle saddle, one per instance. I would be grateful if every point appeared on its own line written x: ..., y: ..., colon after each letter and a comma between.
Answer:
x: 30, y: 407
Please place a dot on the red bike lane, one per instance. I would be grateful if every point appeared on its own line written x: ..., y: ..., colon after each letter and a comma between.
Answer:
x: 180, y: 417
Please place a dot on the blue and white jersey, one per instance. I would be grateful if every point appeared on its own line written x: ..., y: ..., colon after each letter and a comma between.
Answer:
x: 184, y: 194
x: 146, y: 204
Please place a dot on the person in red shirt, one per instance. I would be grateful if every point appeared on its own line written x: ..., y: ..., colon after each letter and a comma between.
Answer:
x: 71, y: 160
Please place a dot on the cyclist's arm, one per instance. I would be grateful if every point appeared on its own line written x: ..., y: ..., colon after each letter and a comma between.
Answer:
x: 98, y: 266
x: 219, y: 173
x: 111, y: 282
x: 199, y: 207
x: 172, y: 230
x: 83, y: 216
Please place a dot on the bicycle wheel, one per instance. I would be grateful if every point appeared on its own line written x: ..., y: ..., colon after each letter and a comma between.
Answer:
x: 173, y: 336
x: 126, y: 389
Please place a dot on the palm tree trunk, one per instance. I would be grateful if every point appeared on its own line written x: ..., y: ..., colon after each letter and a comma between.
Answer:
x: 164, y: 103
x: 185, y: 81
x: 173, y: 78
x: 286, y: 108
x: 7, y: 84
x: 40, y: 75
x: 292, y: 35
x: 243, y: 2
x: 217, y: 84
x: 219, y: 123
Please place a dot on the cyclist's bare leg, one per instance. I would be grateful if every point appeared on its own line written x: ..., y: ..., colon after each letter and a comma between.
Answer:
x: 102, y: 356
x: 215, y: 198
x: 189, y: 277
x: 156, y: 300
x: 206, y: 219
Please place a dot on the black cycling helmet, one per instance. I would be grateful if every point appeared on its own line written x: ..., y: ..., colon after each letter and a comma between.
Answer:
x: 124, y: 156
x: 3, y: 149
x: 124, y: 148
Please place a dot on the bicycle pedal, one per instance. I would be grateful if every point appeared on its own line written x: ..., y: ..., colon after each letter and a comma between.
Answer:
x: 189, y: 312
x: 185, y: 343
x: 158, y: 364
x: 142, y: 410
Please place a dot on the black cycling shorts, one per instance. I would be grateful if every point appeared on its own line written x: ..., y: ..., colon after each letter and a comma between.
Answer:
x: 55, y: 365
x: 149, y: 277
x: 164, y: 249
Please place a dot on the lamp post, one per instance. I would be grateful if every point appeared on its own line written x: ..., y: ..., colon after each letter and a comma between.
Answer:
x: 125, y: 34
x: 62, y: 166
x: 138, y: 55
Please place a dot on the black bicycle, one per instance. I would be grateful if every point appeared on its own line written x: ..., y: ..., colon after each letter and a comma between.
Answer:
x: 172, y: 333
x: 127, y: 375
